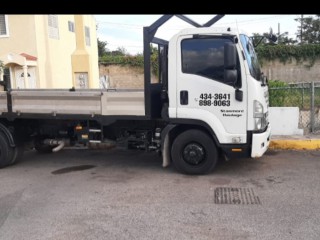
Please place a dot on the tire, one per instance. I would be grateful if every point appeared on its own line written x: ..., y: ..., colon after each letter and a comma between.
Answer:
x: 17, y: 154
x: 194, y: 152
x: 7, y: 153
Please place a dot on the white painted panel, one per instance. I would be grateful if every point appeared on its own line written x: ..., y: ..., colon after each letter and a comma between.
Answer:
x: 284, y: 121
x: 123, y: 103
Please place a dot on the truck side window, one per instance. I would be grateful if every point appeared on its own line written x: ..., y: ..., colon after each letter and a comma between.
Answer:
x: 204, y: 57
x: 251, y: 57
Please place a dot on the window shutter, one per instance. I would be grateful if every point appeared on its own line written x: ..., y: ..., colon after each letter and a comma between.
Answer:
x: 87, y: 35
x: 71, y: 26
x: 53, y: 26
x: 3, y: 28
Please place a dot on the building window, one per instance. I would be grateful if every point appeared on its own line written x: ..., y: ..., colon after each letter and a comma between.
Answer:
x: 4, y: 31
x: 53, y: 26
x: 87, y: 34
x: 71, y: 26
x: 81, y: 80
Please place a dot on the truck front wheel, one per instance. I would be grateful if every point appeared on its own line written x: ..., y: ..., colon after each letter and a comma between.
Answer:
x: 194, y: 152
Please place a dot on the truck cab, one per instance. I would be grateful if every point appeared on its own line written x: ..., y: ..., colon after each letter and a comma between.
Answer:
x: 215, y: 79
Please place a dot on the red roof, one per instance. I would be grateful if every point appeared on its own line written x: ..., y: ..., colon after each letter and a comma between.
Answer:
x: 29, y: 57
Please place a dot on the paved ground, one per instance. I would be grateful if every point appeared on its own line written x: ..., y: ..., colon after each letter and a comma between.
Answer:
x: 127, y: 195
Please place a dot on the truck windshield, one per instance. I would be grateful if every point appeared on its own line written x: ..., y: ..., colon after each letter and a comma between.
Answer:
x: 251, y: 57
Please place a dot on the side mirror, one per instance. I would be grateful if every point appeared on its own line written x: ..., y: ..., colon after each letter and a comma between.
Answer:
x: 264, y: 80
x: 230, y: 76
x: 273, y: 38
x: 230, y: 63
x: 230, y: 56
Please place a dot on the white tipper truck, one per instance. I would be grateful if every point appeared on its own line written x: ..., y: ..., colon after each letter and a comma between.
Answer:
x: 211, y: 100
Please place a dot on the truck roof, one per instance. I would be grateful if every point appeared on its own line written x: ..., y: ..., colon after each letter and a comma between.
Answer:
x: 211, y: 31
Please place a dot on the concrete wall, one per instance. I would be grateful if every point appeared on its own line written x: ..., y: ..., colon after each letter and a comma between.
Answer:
x: 124, y: 76
x: 292, y: 72
x: 132, y: 77
x: 284, y: 121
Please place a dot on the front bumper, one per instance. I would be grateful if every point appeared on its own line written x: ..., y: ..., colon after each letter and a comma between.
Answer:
x: 260, y: 143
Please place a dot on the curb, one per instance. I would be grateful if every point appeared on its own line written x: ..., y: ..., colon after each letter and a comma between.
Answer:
x: 305, y: 144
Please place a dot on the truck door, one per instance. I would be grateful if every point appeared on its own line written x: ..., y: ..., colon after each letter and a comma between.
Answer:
x: 203, y: 94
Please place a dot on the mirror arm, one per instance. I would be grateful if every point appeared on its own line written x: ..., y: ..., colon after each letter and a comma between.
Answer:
x: 261, y: 38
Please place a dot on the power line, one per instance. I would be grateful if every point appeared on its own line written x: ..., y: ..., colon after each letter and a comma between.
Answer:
x: 244, y: 22
x: 132, y: 46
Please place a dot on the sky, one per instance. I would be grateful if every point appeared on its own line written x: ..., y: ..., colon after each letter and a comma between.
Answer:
x: 126, y: 30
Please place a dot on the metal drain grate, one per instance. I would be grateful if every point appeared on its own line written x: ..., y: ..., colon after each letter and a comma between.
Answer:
x: 244, y: 196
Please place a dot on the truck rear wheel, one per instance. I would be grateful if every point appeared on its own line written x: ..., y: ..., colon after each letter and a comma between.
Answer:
x: 17, y: 154
x: 7, y: 153
x: 194, y: 152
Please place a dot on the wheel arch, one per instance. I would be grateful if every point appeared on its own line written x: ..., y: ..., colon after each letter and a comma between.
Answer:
x: 194, y: 152
x: 178, y: 126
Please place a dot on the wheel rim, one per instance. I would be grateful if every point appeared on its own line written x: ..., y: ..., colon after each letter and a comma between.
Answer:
x: 194, y: 153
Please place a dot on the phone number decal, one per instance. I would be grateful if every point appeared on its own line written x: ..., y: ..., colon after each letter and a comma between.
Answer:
x: 217, y: 99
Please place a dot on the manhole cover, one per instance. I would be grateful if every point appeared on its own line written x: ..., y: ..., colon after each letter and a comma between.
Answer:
x: 244, y: 196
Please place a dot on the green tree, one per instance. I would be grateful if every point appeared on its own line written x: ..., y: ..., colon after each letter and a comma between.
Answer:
x: 309, y: 29
x: 258, y: 39
x: 120, y: 51
x: 102, y: 48
x: 282, y: 39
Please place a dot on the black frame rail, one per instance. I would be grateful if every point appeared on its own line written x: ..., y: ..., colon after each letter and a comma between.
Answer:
x: 148, y: 38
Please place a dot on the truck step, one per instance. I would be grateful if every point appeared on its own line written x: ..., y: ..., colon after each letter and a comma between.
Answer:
x: 94, y: 130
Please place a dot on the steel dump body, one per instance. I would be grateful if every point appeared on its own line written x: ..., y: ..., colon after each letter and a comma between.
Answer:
x: 79, y: 102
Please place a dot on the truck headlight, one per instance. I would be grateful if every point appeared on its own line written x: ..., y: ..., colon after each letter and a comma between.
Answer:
x: 258, y: 123
x: 260, y: 119
x: 257, y: 109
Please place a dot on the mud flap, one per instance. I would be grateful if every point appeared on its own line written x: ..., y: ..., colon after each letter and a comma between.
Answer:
x: 166, y: 152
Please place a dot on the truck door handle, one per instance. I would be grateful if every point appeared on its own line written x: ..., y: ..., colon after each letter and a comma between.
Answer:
x: 184, y: 99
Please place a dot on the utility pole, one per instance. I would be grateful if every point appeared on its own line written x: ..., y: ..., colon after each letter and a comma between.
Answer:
x: 301, y: 39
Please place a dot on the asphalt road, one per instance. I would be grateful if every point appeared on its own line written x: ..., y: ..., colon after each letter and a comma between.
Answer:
x: 93, y: 194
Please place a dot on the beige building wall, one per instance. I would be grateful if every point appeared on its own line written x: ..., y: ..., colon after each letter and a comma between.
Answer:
x: 18, y: 40
x: 85, y: 57
x: 54, y: 55
x: 56, y: 62
x: 21, y: 35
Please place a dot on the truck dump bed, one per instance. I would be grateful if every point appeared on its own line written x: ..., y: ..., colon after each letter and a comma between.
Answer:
x: 83, y: 102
